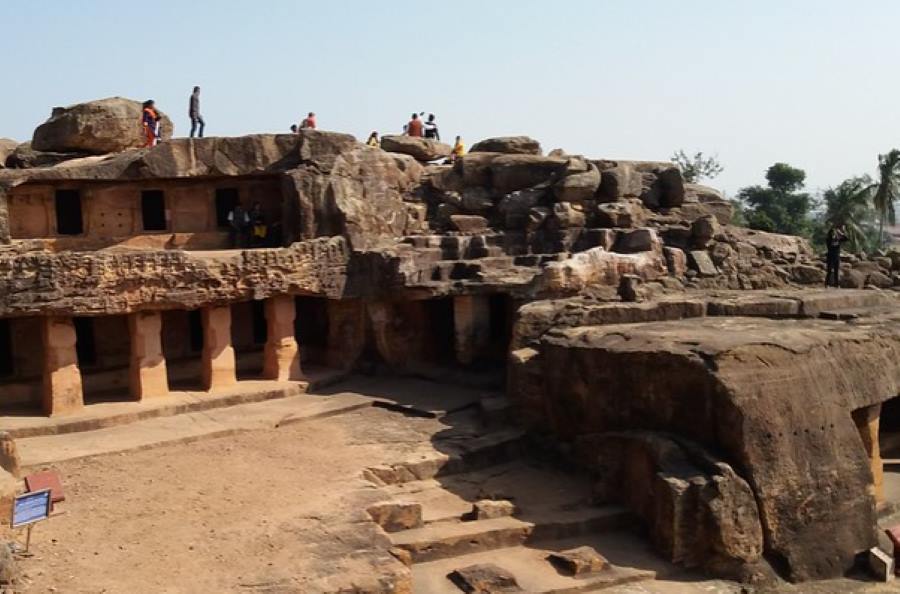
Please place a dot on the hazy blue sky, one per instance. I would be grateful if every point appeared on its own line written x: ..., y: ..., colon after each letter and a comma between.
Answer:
x: 812, y: 83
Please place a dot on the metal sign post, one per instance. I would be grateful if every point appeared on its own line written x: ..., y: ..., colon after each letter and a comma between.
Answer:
x: 30, y: 508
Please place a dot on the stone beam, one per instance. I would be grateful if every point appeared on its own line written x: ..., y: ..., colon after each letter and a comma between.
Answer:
x: 218, y: 363
x: 281, y: 359
x: 62, y: 377
x: 472, y: 326
x: 147, y: 376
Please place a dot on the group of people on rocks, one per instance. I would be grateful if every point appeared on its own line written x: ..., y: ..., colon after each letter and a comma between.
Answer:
x: 150, y: 121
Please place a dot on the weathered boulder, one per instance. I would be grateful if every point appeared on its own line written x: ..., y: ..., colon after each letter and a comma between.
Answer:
x: 578, y: 187
x: 807, y: 275
x: 422, y: 149
x: 484, y: 578
x: 487, y: 509
x: 663, y: 186
x: 637, y: 240
x: 476, y: 200
x: 568, y: 215
x: 703, y: 193
x: 517, y: 145
x: 474, y: 169
x: 702, y: 263
x: 619, y: 179
x: 7, y: 146
x: 96, y: 127
x: 394, y: 516
x: 723, y: 210
x: 516, y: 172
x: 750, y: 389
x: 596, y: 266
x: 24, y: 156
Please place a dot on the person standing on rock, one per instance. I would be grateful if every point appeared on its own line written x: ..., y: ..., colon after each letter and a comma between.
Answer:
x: 431, y: 129
x: 373, y: 140
x: 309, y: 122
x: 833, y: 240
x: 194, y: 113
x: 150, y: 123
x: 414, y: 127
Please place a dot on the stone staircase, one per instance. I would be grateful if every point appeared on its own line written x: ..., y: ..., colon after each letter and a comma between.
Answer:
x: 483, y: 505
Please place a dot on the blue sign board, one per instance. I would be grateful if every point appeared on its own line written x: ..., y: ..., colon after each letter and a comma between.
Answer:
x: 31, y: 507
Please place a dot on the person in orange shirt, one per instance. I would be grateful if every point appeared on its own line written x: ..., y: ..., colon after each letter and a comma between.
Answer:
x: 150, y: 122
x: 459, y: 149
x: 414, y: 127
x: 309, y: 122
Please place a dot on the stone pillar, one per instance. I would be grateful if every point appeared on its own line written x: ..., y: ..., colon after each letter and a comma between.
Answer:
x: 472, y: 326
x: 148, y: 376
x: 867, y: 420
x: 62, y: 378
x: 282, y: 355
x: 218, y: 354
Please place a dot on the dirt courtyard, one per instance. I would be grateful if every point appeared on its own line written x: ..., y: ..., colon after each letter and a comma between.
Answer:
x: 271, y: 511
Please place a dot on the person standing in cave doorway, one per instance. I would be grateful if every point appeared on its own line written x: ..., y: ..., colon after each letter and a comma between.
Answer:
x: 194, y: 113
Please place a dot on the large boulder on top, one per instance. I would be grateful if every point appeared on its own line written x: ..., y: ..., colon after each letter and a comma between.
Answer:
x: 578, y: 187
x: 7, y: 146
x: 97, y: 127
x: 422, y: 149
x: 517, y: 172
x: 516, y: 145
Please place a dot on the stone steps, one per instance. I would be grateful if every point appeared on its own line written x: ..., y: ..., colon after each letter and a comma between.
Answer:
x: 452, y: 538
x: 532, y: 572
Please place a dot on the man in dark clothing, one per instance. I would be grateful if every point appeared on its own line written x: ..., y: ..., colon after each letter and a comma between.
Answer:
x: 836, y: 236
x: 194, y: 113
x: 239, y: 224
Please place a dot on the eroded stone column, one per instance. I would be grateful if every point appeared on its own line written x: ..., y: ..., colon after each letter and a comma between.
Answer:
x: 62, y: 377
x: 148, y: 376
x: 218, y: 355
x: 282, y: 355
x: 867, y: 421
x: 472, y: 326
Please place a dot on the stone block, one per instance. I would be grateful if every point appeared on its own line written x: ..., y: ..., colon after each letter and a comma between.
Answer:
x: 468, y: 223
x: 702, y: 263
x: 484, y: 578
x: 881, y: 565
x: 394, y: 516
x: 579, y: 561
x: 487, y: 509
x: 638, y: 240
x: 568, y: 215
x: 676, y: 261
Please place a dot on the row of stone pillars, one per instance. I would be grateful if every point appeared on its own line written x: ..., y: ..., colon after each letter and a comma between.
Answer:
x: 62, y: 389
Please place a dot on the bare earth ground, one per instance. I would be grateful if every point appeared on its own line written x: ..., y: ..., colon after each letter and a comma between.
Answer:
x: 272, y: 510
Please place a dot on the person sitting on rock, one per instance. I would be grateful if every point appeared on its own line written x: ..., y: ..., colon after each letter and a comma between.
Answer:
x: 150, y: 122
x: 431, y: 129
x: 833, y: 240
x: 459, y: 149
x: 414, y: 127
x: 238, y: 222
x: 294, y: 129
x: 309, y: 122
x: 373, y: 140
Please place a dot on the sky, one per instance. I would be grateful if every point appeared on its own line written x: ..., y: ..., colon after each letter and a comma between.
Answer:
x: 811, y: 83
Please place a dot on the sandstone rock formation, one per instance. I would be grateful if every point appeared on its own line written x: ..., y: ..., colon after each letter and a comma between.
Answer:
x: 422, y: 149
x: 7, y: 146
x: 522, y: 145
x: 96, y: 127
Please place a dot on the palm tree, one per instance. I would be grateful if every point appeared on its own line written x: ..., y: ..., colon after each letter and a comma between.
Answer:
x: 886, y: 190
x: 848, y: 205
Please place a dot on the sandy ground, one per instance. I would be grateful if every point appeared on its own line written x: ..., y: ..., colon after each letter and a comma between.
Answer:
x: 263, y: 510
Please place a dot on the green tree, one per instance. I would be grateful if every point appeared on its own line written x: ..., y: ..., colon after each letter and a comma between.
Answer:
x: 848, y: 204
x: 698, y: 167
x: 887, y: 190
x: 780, y: 207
